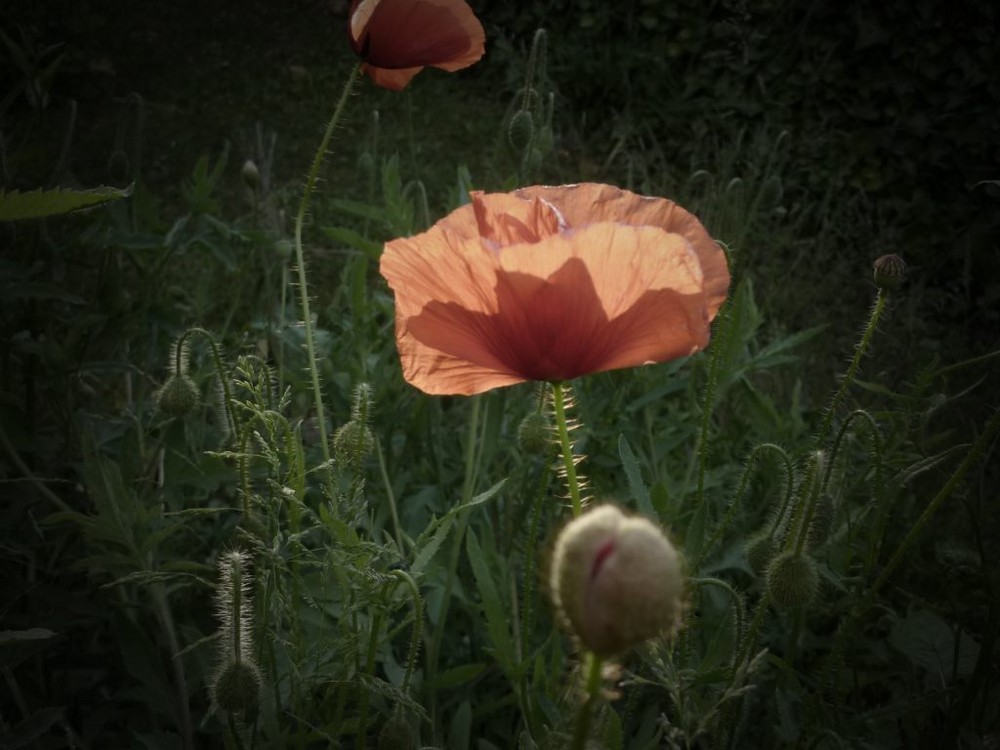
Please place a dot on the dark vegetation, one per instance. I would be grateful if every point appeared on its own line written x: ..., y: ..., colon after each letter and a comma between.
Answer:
x: 810, y: 138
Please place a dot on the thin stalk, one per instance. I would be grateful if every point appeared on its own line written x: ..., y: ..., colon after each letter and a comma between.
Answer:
x: 569, y: 464
x: 418, y: 628
x: 859, y: 352
x: 176, y: 662
x: 300, y: 218
x: 592, y: 689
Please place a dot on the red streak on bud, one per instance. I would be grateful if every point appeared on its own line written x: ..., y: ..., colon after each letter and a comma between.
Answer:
x: 603, y: 553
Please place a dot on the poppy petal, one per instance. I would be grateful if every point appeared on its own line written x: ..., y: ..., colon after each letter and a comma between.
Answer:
x: 504, y: 220
x: 394, y: 80
x: 398, y: 34
x: 586, y: 203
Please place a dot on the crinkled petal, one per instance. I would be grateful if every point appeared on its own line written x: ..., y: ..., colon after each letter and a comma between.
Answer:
x: 587, y: 203
x: 502, y: 219
x: 394, y: 80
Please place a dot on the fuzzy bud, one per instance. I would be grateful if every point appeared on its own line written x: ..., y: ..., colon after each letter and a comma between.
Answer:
x: 250, y: 174
x: 521, y: 130
x: 889, y: 272
x: 237, y: 687
x: 615, y: 580
x: 397, y: 734
x: 792, y: 579
x: 178, y: 396
x: 534, y: 434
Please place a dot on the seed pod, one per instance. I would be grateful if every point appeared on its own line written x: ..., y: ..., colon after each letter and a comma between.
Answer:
x: 889, y: 271
x: 615, y: 581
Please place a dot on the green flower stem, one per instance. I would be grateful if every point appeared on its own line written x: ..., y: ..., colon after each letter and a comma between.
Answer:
x: 592, y: 688
x: 859, y: 352
x: 559, y: 404
x: 300, y: 218
x: 220, y: 371
x: 714, y: 366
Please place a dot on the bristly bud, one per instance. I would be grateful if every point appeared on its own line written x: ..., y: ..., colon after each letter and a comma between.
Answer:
x: 237, y: 687
x: 760, y: 549
x: 792, y: 579
x: 179, y: 396
x: 250, y: 175
x: 237, y: 682
x: 615, y: 580
x: 889, y: 272
x: 397, y: 734
x: 534, y: 434
x: 824, y: 514
x: 521, y: 130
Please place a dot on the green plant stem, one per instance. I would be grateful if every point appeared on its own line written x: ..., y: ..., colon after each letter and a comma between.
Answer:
x: 370, y: 671
x: 176, y: 662
x: 592, y: 690
x: 391, y: 497
x: 300, y: 218
x: 220, y: 371
x: 714, y: 366
x: 859, y: 352
x: 569, y: 463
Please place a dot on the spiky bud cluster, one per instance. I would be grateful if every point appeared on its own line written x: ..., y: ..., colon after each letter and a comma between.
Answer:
x: 534, y: 434
x: 615, y: 580
x: 237, y: 682
x: 179, y: 396
x: 353, y: 441
x: 889, y: 271
x: 792, y: 579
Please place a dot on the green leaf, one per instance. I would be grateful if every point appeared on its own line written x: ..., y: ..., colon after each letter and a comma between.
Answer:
x: 929, y: 642
x: 36, y: 204
x: 460, y: 731
x: 638, y: 488
x: 493, y: 607
x: 354, y: 239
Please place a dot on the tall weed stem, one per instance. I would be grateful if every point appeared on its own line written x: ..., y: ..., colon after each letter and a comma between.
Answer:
x: 592, y: 692
x: 300, y: 262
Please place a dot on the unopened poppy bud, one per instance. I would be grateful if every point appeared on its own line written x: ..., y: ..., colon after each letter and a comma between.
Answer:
x: 792, y: 579
x: 521, y: 130
x: 824, y: 514
x: 889, y: 272
x: 534, y: 434
x: 250, y: 174
x: 237, y: 687
x: 615, y: 580
x: 397, y: 734
x: 178, y: 396
x: 760, y: 549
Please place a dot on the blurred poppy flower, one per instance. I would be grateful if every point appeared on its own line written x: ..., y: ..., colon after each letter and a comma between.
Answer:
x: 396, y: 39
x: 550, y: 283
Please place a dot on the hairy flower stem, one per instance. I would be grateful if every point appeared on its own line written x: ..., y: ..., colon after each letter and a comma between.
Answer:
x: 592, y: 693
x: 300, y: 218
x: 220, y: 370
x: 859, y: 352
x: 418, y: 628
x: 569, y: 463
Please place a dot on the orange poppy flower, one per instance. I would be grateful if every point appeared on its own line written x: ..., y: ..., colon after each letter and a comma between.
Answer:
x: 549, y: 283
x: 399, y: 38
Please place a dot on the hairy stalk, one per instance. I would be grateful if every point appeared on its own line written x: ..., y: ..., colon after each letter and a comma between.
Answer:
x: 300, y: 217
x: 803, y: 515
x: 741, y: 489
x: 569, y: 460
x: 739, y: 608
x: 592, y: 693
x: 370, y: 671
x: 859, y: 352
x: 418, y: 627
x: 715, y: 364
x: 220, y: 371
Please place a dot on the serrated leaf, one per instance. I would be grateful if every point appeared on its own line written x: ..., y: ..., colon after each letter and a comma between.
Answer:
x: 36, y: 204
x: 638, y: 488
